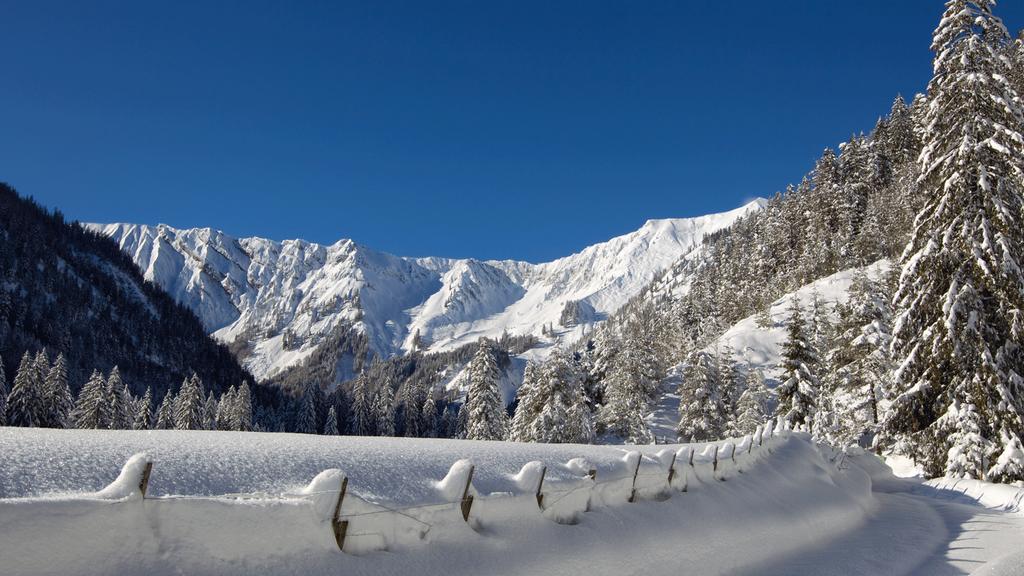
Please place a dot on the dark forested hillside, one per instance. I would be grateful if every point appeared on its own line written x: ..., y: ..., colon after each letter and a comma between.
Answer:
x: 67, y: 290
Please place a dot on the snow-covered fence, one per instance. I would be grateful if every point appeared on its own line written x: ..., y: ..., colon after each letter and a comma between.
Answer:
x: 333, y: 513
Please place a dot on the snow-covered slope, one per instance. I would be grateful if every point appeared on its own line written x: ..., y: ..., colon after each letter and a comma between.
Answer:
x: 283, y: 299
x: 756, y: 347
x: 760, y: 348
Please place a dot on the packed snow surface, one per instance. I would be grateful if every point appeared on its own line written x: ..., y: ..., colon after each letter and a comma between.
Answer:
x: 248, y: 503
x: 286, y: 298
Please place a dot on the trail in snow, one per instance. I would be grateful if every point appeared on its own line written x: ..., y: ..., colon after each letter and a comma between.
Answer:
x: 913, y: 530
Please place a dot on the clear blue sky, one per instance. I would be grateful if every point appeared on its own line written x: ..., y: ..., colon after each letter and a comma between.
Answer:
x: 525, y: 129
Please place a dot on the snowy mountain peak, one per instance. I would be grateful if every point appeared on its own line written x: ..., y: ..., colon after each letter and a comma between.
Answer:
x: 279, y: 301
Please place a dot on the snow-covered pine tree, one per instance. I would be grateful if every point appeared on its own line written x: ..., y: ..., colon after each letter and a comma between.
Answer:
x: 634, y: 374
x: 210, y: 412
x: 144, y: 412
x: 3, y: 395
x: 331, y: 425
x: 25, y: 405
x: 40, y: 369
x: 564, y: 416
x: 226, y: 407
x: 57, y: 393
x: 120, y: 406
x: 188, y: 405
x: 411, y: 400
x: 486, y: 418
x: 429, y: 416
x: 165, y: 414
x: 531, y: 402
x: 701, y: 413
x: 799, y: 389
x: 305, y: 418
x: 730, y: 386
x: 362, y: 420
x: 384, y: 409
x: 625, y: 407
x: 960, y: 301
x: 859, y: 359
x: 753, y: 404
x: 821, y: 327
x: 92, y: 410
x: 241, y: 416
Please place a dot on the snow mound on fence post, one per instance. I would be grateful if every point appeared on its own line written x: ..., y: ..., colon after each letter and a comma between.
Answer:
x: 453, y: 485
x: 528, y: 477
x: 682, y: 468
x: 127, y: 484
x: 579, y: 466
x: 323, y: 492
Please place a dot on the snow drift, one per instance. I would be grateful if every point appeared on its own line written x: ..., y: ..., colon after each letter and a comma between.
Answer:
x: 231, y: 503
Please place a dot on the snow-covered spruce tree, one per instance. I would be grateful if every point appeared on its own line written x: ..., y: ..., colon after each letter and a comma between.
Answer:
x: 531, y: 401
x: 25, y: 404
x: 702, y: 415
x: 41, y: 368
x: 121, y: 408
x: 625, y: 405
x: 165, y: 414
x: 799, y: 389
x: 362, y: 420
x: 331, y: 426
x: 57, y: 394
x: 384, y: 409
x: 960, y: 301
x: 429, y: 416
x: 563, y: 415
x: 860, y: 365
x: 3, y: 395
x: 240, y: 418
x: 305, y: 418
x: 92, y: 409
x: 188, y: 405
x: 634, y: 375
x: 730, y: 386
x: 752, y: 407
x: 210, y: 412
x: 820, y: 328
x: 411, y: 408
x: 225, y: 409
x: 486, y: 418
x: 144, y: 411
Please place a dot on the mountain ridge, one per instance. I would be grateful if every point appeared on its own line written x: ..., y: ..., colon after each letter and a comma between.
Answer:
x: 278, y: 300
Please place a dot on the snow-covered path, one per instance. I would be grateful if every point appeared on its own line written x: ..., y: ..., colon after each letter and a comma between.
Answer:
x: 914, y: 529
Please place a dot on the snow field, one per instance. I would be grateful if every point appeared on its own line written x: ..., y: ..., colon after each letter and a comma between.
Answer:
x: 63, y: 528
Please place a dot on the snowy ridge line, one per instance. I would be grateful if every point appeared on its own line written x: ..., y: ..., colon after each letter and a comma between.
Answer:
x: 327, y: 514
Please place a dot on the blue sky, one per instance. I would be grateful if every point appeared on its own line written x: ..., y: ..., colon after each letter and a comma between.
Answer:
x: 524, y: 129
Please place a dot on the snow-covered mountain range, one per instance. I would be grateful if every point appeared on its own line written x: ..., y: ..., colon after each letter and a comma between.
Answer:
x: 283, y: 299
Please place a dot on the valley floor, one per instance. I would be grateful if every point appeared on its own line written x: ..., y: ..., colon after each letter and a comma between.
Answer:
x: 787, y: 509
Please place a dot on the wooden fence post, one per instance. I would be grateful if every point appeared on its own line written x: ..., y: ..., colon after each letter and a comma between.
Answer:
x: 632, y: 492
x: 540, y: 487
x: 467, y: 498
x: 144, y: 483
x: 340, y: 526
x: 672, y: 469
